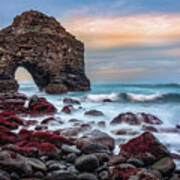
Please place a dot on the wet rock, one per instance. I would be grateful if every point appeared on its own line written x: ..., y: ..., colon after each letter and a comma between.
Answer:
x: 40, y: 44
x: 4, y: 175
x: 15, y: 176
x: 124, y: 132
x: 48, y: 120
x: 70, y: 149
x: 61, y: 175
x: 126, y: 172
x: 116, y: 159
x: 14, y: 161
x: 102, y: 157
x: 56, y: 166
x: 175, y: 176
x: 48, y: 149
x: 39, y: 174
x: 136, y: 119
x: 99, y: 137
x: 70, y: 132
x: 67, y: 109
x: 71, y: 101
x: 41, y: 128
x: 149, y: 119
x: 94, y: 113
x: 149, y: 128
x: 165, y: 165
x: 169, y: 130
x: 12, y: 103
x: 40, y: 106
x: 87, y: 176
x: 94, y: 148
x: 129, y: 118
x: 31, y: 122
x: 145, y: 148
x: 71, y: 157
x: 104, y: 175
x: 135, y: 162
x: 36, y: 164
x: 87, y: 163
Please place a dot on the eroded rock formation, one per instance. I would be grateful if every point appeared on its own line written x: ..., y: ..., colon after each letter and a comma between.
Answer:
x: 53, y: 57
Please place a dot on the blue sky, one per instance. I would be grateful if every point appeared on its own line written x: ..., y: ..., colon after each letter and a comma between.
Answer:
x: 125, y: 40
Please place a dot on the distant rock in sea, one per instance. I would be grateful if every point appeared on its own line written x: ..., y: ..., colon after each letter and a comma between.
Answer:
x: 53, y: 57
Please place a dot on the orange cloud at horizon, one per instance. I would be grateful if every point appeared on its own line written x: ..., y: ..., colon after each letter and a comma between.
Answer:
x: 108, y: 32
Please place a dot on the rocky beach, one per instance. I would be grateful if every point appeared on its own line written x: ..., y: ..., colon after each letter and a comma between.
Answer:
x: 29, y: 151
x: 111, y: 132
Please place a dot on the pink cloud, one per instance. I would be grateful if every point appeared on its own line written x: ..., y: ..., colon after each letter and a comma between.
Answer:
x: 106, y: 32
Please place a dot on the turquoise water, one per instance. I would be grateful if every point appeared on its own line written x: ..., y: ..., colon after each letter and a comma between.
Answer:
x: 161, y: 100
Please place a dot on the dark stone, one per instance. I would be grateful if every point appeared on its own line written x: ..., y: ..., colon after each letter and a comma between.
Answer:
x: 70, y: 149
x: 136, y: 119
x: 71, y: 157
x: 61, y: 175
x: 16, y: 162
x: 87, y: 176
x: 87, y: 163
x: 166, y: 165
x: 54, y: 57
x: 99, y: 137
x: 94, y: 148
x: 4, y: 175
x: 104, y: 175
x: 71, y: 101
x: 94, y: 113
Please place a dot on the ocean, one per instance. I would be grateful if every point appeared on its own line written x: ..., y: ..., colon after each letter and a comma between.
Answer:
x: 161, y: 100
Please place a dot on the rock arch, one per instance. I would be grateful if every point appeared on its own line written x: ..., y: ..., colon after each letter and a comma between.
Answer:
x: 53, y: 57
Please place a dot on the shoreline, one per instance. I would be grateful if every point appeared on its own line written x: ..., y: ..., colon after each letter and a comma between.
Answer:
x: 62, y: 155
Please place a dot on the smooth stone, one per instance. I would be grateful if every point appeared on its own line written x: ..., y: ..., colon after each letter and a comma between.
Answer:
x: 165, y: 165
x: 104, y: 175
x: 87, y: 176
x: 99, y: 137
x: 39, y: 174
x: 71, y: 157
x: 87, y: 163
x: 4, y: 175
x: 56, y: 166
x: 61, y: 175
x: 37, y: 164
x: 70, y: 149
x: 14, y: 161
x: 95, y: 148
x: 135, y: 162
x: 15, y: 176
x: 94, y: 113
x: 102, y: 157
x: 175, y: 177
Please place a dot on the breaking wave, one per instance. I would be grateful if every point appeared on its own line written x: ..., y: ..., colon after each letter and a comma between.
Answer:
x: 132, y: 97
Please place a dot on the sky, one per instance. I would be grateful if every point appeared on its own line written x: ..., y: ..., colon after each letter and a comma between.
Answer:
x: 125, y: 40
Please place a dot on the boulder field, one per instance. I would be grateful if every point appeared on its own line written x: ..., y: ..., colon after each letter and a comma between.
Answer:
x: 40, y: 154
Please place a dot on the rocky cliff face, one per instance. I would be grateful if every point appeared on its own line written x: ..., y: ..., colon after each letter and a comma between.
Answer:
x: 54, y: 57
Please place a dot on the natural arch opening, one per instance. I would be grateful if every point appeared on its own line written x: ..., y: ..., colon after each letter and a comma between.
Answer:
x: 25, y: 80
x: 22, y: 75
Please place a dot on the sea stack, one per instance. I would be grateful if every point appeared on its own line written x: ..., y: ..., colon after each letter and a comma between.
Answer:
x: 53, y: 57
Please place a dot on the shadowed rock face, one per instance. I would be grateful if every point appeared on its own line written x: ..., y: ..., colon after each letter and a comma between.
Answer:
x: 53, y: 57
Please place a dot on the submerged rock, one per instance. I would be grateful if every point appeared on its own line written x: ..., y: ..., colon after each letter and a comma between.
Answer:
x: 54, y: 57
x: 136, y: 119
x: 94, y: 113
